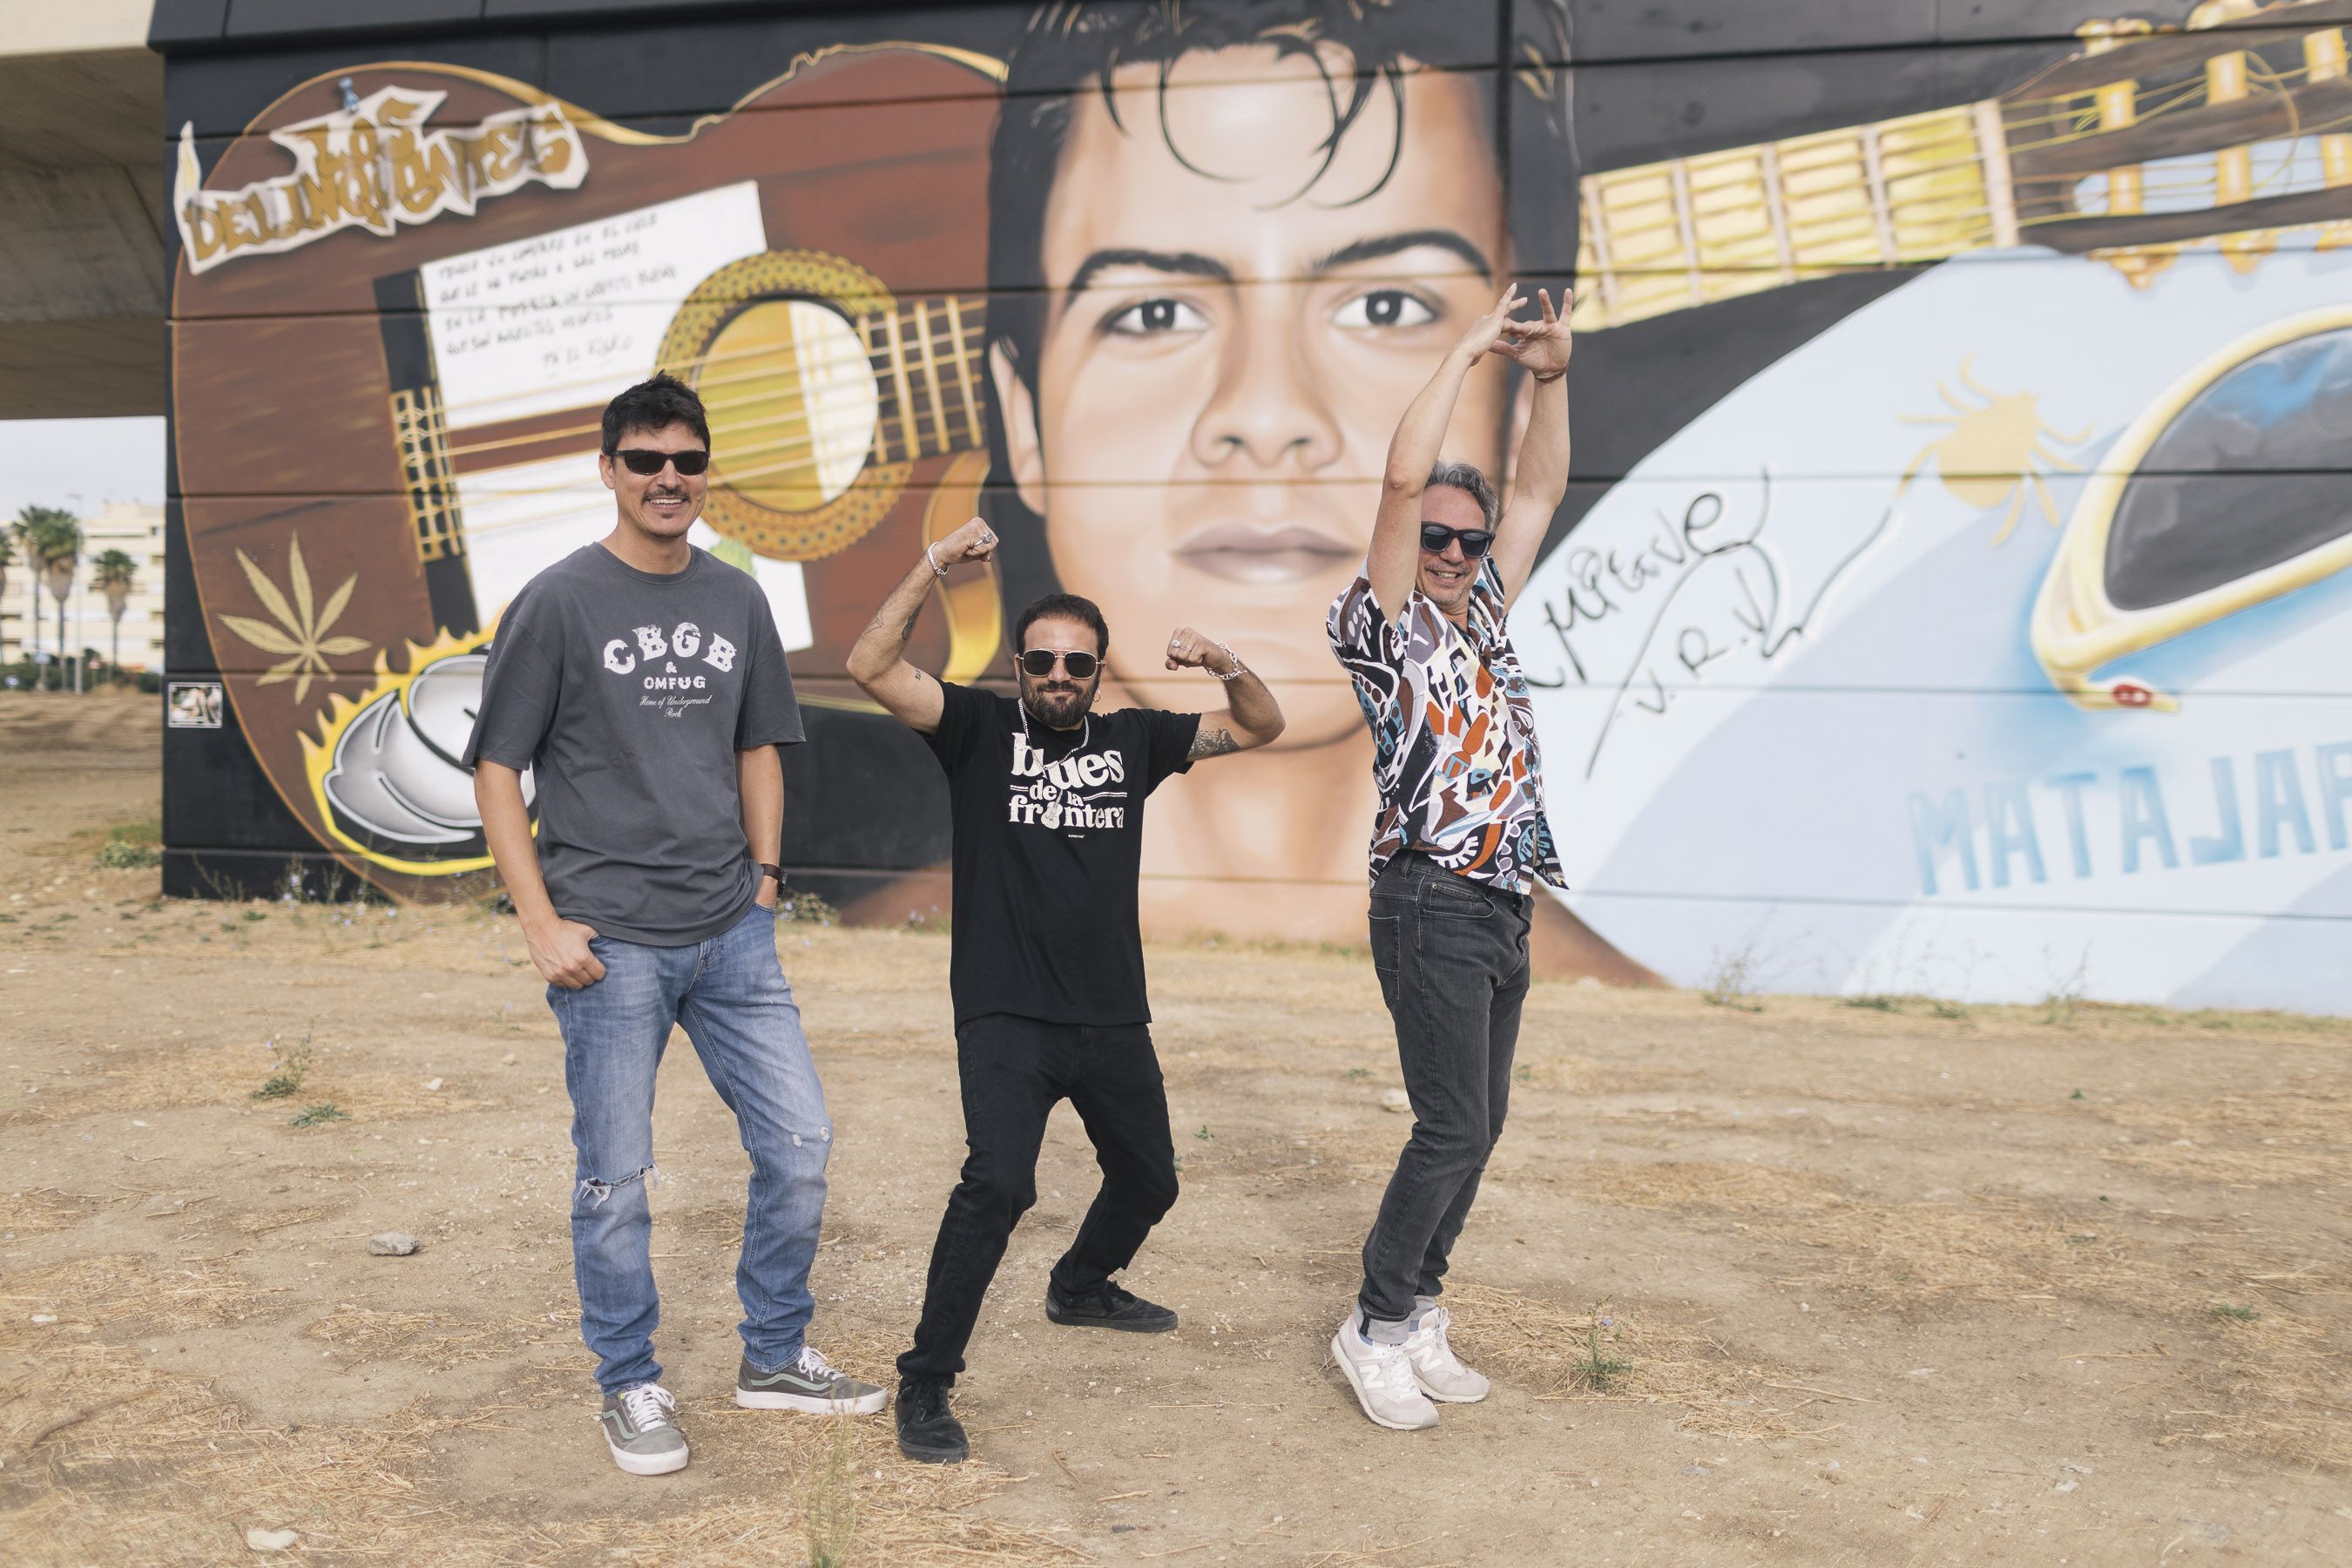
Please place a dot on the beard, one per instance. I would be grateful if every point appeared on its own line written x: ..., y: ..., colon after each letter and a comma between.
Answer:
x: 1058, y: 705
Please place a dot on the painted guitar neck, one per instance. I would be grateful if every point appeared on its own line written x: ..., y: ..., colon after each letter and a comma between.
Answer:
x: 2127, y: 151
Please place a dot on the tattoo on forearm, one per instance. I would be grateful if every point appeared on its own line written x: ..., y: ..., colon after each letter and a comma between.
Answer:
x: 1214, y: 743
x: 907, y: 632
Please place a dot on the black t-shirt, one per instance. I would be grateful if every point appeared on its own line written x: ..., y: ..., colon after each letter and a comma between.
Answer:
x: 1048, y: 850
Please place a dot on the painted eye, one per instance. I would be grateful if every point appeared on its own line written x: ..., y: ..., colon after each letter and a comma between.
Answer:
x: 1148, y: 317
x: 1384, y: 308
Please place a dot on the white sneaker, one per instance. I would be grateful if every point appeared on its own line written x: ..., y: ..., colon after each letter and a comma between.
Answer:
x: 1435, y: 1367
x: 1383, y: 1380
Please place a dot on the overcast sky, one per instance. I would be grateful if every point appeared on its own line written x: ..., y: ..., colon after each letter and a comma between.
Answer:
x: 79, y: 464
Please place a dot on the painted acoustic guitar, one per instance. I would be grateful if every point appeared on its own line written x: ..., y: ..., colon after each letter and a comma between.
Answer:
x: 351, y: 505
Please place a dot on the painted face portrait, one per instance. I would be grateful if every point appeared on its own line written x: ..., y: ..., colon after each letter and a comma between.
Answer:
x: 1238, y: 312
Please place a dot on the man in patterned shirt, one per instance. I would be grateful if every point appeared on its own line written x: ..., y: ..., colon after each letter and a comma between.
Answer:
x: 1460, y: 839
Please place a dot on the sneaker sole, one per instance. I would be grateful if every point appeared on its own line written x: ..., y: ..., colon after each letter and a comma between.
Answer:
x: 1052, y: 1316
x: 1348, y: 1368
x: 812, y: 1404
x: 923, y: 1455
x: 1429, y: 1392
x: 648, y: 1464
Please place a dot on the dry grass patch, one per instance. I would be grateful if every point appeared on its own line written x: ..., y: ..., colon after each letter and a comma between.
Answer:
x: 98, y: 1292
x: 380, y: 1096
x: 1316, y: 1156
x: 1979, y: 1249
x: 2277, y: 1386
x: 44, y: 1210
x: 151, y: 1081
x: 108, y: 1459
x: 1615, y: 1354
x: 436, y: 1340
x: 2265, y: 1137
x: 228, y: 1075
x: 1699, y: 1185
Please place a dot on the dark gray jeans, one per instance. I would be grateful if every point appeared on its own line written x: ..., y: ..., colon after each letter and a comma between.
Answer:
x: 1452, y: 955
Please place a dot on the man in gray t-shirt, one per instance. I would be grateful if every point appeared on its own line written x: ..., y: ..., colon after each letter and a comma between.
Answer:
x: 640, y: 680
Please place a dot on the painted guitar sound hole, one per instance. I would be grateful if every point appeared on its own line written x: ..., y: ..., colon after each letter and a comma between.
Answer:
x: 2251, y: 473
x: 791, y: 401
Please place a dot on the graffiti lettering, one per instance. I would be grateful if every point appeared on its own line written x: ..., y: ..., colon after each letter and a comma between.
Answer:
x: 1966, y: 839
x: 373, y: 166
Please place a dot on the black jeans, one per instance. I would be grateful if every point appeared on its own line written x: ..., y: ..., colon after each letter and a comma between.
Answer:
x: 1452, y: 955
x: 1015, y: 1071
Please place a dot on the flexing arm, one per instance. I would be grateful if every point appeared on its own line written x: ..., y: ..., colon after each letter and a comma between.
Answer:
x: 760, y: 784
x: 878, y: 662
x: 1539, y: 478
x: 558, y: 947
x: 1251, y: 717
x: 1413, y: 450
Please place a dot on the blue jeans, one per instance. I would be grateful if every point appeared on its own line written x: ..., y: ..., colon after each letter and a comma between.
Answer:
x: 730, y: 993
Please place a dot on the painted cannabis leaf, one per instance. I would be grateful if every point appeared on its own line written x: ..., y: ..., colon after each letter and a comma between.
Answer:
x: 300, y: 634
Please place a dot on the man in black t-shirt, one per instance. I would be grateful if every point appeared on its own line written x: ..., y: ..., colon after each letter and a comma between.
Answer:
x: 1047, y: 969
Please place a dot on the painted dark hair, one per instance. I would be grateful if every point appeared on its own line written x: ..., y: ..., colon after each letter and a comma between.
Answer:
x: 1065, y: 607
x: 1073, y: 46
x: 655, y: 404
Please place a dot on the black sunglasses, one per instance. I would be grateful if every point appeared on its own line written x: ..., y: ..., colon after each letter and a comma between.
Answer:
x: 646, y: 461
x: 1436, y: 536
x: 1040, y: 662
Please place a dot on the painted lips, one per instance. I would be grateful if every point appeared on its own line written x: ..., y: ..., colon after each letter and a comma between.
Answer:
x: 1241, y: 554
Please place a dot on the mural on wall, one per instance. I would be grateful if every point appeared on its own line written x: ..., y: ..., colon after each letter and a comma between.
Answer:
x: 1988, y: 644
x: 428, y: 313
x: 1980, y: 640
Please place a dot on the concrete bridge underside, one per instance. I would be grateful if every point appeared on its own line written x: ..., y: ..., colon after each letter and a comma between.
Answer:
x: 81, y: 208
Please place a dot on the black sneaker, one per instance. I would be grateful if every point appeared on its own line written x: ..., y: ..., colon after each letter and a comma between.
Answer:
x: 1106, y: 1306
x: 928, y: 1432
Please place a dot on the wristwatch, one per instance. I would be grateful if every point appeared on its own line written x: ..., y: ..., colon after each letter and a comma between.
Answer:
x: 776, y: 871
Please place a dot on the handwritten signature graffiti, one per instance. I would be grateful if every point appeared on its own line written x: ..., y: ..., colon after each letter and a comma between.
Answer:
x: 1699, y: 589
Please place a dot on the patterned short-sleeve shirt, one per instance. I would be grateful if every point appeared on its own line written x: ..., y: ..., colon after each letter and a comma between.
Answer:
x: 1453, y: 736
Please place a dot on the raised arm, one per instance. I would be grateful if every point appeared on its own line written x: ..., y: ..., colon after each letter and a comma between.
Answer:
x: 1250, y: 719
x: 1539, y: 478
x: 1413, y: 450
x: 879, y: 662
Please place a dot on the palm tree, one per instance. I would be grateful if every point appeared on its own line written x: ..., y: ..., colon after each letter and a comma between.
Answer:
x: 21, y: 531
x: 7, y: 559
x: 111, y: 574
x: 53, y: 546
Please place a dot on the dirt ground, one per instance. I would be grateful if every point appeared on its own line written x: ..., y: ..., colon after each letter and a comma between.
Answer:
x: 1811, y: 1283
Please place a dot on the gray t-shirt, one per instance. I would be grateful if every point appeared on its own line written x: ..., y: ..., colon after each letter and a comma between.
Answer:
x: 628, y: 694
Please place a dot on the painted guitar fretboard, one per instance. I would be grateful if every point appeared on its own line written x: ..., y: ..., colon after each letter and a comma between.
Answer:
x: 1691, y: 231
x: 927, y: 369
x: 2134, y: 147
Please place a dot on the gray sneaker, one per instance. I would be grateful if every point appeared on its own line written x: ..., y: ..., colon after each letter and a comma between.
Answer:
x: 809, y: 1385
x: 637, y: 1425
